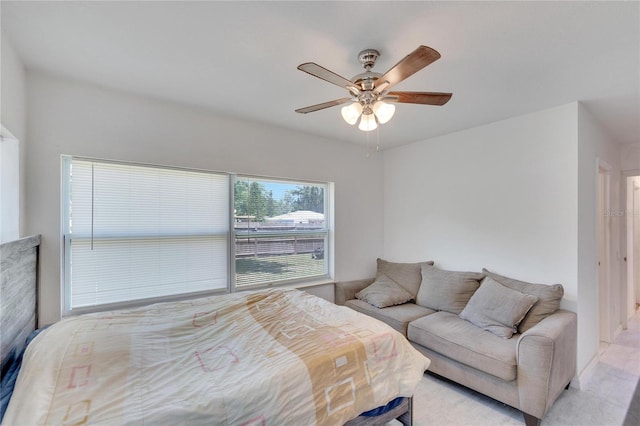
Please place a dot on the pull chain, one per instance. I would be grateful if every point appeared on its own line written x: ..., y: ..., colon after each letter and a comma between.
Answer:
x: 368, y: 153
x: 368, y: 150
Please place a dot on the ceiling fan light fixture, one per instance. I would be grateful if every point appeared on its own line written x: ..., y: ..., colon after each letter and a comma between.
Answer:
x: 352, y: 112
x: 368, y: 122
x: 383, y: 111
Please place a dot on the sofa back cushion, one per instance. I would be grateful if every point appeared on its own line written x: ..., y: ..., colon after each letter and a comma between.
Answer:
x: 549, y: 297
x: 497, y: 308
x: 408, y: 275
x: 448, y: 291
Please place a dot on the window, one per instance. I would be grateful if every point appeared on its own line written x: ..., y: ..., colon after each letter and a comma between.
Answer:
x: 280, y: 231
x: 135, y: 233
x: 9, y: 186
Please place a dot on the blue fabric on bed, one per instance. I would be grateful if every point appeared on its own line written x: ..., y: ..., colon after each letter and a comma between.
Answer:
x: 381, y: 410
x: 10, y: 370
x: 14, y: 359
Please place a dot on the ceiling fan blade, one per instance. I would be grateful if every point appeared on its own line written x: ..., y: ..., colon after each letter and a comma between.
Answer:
x: 324, y: 105
x: 326, y: 75
x: 424, y: 98
x: 409, y: 65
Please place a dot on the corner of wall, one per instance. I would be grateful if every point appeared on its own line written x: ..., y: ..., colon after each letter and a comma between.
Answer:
x: 630, y: 157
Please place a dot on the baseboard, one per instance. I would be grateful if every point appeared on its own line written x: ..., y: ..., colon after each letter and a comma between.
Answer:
x: 585, y: 375
x: 617, y: 332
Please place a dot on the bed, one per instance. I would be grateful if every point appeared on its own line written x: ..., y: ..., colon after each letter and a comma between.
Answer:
x: 274, y: 357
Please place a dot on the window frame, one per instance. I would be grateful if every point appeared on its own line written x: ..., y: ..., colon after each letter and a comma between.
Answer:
x: 230, y: 234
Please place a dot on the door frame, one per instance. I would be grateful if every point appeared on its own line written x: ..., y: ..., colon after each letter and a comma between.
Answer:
x: 604, y: 251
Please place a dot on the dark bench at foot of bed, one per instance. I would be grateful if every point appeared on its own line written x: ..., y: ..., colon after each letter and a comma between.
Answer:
x: 403, y: 413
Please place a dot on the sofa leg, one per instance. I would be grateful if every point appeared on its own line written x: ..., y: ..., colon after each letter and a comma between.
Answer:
x: 530, y: 420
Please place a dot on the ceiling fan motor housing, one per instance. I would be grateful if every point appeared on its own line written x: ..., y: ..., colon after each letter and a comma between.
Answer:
x: 368, y: 58
x: 366, y: 80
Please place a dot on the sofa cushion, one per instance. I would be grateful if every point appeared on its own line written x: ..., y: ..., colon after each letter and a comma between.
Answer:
x: 497, y: 309
x: 384, y: 292
x: 457, y: 339
x: 397, y: 317
x: 449, y: 291
x: 549, y: 297
x: 408, y: 275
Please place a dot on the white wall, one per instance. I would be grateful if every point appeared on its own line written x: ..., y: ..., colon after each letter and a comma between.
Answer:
x: 68, y: 117
x: 630, y: 157
x: 13, y: 117
x: 500, y: 196
x: 516, y: 196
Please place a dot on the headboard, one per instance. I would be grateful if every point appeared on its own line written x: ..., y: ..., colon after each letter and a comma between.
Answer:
x: 18, y: 292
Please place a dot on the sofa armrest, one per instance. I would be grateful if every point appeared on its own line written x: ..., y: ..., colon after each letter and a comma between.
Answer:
x: 546, y: 357
x: 347, y: 290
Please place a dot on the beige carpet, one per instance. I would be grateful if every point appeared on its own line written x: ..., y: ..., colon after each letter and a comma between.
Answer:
x: 604, y: 399
x: 633, y: 414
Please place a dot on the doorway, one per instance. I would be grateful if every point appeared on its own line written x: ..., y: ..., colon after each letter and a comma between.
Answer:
x: 631, y: 242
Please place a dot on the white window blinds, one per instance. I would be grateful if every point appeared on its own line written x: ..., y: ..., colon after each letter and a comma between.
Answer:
x: 137, y: 232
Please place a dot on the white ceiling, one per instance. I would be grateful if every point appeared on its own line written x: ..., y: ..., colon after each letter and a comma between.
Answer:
x: 500, y: 59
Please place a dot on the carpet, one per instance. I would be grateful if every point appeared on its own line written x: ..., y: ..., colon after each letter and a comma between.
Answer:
x: 632, y: 418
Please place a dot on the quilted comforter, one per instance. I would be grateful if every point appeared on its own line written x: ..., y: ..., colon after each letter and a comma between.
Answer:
x: 276, y: 357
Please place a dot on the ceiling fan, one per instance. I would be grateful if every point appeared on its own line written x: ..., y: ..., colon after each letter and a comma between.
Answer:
x: 371, y: 101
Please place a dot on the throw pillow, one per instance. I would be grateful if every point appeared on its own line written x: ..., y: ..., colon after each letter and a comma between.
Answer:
x: 384, y: 292
x: 549, y: 297
x: 497, y: 309
x: 406, y: 275
x: 447, y: 290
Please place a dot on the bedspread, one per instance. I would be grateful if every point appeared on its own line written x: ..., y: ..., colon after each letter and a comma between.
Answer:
x: 276, y: 357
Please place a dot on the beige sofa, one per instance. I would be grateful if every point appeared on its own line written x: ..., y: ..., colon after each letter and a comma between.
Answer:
x: 527, y: 371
